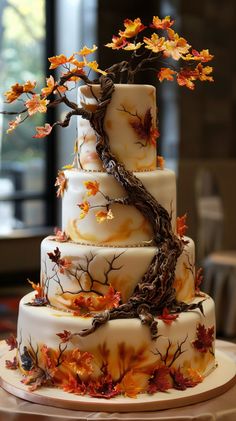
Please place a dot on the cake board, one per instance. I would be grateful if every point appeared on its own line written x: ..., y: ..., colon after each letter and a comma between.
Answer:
x: 216, y: 383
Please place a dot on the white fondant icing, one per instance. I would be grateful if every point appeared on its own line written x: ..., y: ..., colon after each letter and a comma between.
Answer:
x: 128, y: 227
x: 124, y: 110
x: 95, y: 268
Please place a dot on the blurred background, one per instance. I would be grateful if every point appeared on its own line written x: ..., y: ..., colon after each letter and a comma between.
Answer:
x: 197, y: 134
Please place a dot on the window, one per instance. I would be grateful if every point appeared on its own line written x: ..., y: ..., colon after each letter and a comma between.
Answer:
x: 22, y: 159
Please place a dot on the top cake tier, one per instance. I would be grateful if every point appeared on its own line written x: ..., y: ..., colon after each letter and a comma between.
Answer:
x: 130, y: 123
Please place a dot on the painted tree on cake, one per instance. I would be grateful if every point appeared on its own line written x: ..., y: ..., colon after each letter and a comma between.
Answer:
x: 91, y: 294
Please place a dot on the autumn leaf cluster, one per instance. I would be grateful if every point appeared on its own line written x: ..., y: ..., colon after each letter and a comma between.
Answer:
x: 158, y: 50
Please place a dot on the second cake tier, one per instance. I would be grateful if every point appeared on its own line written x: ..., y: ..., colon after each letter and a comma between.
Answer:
x: 91, y: 213
x: 76, y: 276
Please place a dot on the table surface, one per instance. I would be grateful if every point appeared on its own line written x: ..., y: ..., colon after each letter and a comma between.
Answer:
x: 221, y: 408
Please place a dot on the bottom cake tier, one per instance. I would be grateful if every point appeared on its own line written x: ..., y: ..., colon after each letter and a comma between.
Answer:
x: 119, y: 357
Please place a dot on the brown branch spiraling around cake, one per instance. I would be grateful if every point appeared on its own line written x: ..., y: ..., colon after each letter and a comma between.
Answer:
x: 155, y: 290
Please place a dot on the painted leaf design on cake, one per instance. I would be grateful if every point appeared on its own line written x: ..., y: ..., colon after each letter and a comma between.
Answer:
x: 167, y: 317
x: 12, y: 364
x: 160, y: 381
x: 11, y: 341
x: 144, y: 128
x: 205, y: 339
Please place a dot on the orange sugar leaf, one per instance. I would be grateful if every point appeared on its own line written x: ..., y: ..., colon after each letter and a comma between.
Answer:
x: 92, y: 187
x: 132, y: 28
x: 42, y: 131
x: 181, y: 226
x: 102, y: 216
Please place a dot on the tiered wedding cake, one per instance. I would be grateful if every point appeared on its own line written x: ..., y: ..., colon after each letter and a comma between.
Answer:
x: 112, y: 314
x: 118, y: 310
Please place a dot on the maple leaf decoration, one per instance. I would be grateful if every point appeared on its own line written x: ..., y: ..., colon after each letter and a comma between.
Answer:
x: 181, y: 226
x: 181, y: 382
x: 130, y: 384
x: 55, y: 256
x: 160, y: 381
x: 11, y: 341
x: 144, y: 129
x: 205, y: 338
x: 167, y: 317
x: 38, y: 288
x: 65, y: 336
x: 102, y: 216
x: 74, y: 385
x: 62, y: 263
x: 62, y: 183
x: 13, y: 124
x: 60, y: 235
x: 11, y: 365
x: 42, y: 131
x: 103, y: 388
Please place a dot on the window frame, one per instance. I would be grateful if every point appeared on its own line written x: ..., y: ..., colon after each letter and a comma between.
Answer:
x: 20, y: 248
x: 48, y: 193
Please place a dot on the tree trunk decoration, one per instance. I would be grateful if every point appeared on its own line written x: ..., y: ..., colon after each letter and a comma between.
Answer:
x: 155, y: 290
